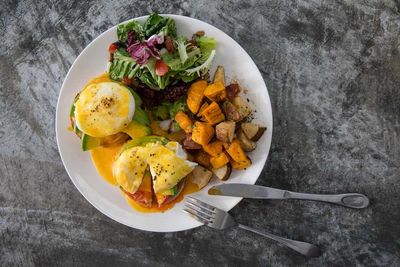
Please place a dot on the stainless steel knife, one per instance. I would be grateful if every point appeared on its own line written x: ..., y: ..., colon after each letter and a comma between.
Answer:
x: 351, y: 200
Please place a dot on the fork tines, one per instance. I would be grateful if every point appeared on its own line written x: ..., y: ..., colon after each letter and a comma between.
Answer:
x: 199, y: 210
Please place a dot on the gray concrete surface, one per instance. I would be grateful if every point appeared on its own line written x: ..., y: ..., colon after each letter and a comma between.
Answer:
x: 333, y: 73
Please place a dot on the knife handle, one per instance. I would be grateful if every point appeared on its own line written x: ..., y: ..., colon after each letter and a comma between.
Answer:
x: 351, y: 200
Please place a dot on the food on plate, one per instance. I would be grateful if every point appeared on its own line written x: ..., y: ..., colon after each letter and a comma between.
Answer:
x: 223, y: 172
x: 155, y: 55
x: 245, y: 142
x: 165, y: 161
x: 104, y: 109
x: 225, y: 131
x: 200, y: 176
x: 253, y: 131
x: 155, y: 125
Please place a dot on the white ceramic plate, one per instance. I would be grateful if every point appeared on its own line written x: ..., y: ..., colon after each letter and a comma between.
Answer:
x: 107, y: 198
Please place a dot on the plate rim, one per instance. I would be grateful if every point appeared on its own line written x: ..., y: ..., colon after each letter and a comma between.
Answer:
x: 236, y: 201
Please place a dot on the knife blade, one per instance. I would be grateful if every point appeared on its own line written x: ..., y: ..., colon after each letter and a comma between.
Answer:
x: 248, y: 191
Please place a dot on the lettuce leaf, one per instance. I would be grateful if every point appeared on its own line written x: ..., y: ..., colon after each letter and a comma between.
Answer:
x: 123, y: 65
x: 204, y: 67
x: 206, y: 44
x: 124, y: 29
x: 173, y: 60
x: 150, y: 78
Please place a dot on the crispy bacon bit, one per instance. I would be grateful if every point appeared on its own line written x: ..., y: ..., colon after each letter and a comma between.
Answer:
x: 169, y: 44
x: 200, y: 33
x: 188, y: 143
x: 127, y: 81
x: 232, y: 90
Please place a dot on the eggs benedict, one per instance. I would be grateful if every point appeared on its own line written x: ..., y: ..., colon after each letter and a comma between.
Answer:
x: 103, y: 109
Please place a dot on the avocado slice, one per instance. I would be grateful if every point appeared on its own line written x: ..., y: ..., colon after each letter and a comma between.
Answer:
x: 72, y: 108
x: 89, y: 142
x: 141, y: 141
x: 76, y: 129
x: 140, y: 115
x: 136, y: 129
x: 171, y: 192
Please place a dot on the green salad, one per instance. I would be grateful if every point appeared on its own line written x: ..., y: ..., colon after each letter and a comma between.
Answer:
x: 154, y: 53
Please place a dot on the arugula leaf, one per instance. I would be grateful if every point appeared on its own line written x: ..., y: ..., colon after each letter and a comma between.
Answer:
x: 170, y: 28
x: 156, y: 24
x: 133, y: 25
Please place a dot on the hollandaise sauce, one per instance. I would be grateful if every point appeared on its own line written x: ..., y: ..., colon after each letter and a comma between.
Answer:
x: 103, y: 159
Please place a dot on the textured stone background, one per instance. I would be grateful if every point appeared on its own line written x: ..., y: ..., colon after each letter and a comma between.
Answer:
x: 333, y: 73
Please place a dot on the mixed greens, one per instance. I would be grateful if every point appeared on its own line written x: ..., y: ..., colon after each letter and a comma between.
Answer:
x: 154, y: 54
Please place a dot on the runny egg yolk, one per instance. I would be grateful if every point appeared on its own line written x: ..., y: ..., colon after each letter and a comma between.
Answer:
x: 103, y: 109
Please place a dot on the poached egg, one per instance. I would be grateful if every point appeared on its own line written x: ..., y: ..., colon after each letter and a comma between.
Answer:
x: 168, y: 165
x: 104, y: 109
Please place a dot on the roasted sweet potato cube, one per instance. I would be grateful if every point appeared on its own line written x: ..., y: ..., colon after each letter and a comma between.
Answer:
x: 215, y: 92
x: 184, y: 121
x: 236, y: 152
x: 219, y: 161
x: 214, y: 149
x: 202, y: 133
x: 195, y: 95
x: 240, y: 165
x: 202, y: 108
x: 213, y: 114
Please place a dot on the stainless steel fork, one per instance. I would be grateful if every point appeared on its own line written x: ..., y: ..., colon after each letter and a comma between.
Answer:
x: 219, y: 219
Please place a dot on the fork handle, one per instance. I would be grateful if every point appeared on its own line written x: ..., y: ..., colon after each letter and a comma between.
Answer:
x: 304, y: 248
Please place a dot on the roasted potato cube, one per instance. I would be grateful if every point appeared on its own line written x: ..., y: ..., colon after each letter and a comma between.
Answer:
x: 200, y: 176
x: 219, y: 75
x: 223, y: 173
x: 242, y: 106
x: 231, y: 112
x: 225, y: 131
x: 252, y: 131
